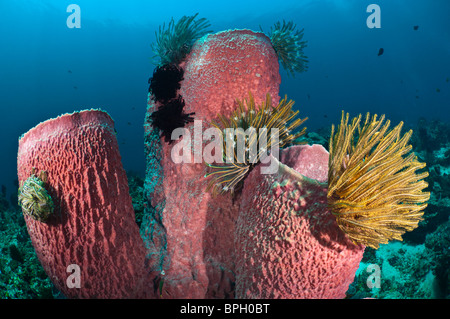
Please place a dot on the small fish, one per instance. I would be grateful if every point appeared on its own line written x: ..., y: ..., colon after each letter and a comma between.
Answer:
x: 133, y: 108
x: 416, y: 27
x: 129, y: 123
x: 69, y: 71
x: 381, y: 51
x: 325, y: 116
x: 75, y: 87
x: 447, y: 80
x: 438, y: 90
x: 309, y: 96
x: 417, y: 97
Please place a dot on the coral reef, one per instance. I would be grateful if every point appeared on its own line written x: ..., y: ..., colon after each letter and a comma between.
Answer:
x: 4, y: 203
x: 404, y: 272
x: 21, y: 274
x: 417, y: 262
x: 280, y: 236
x: 438, y: 245
x: 136, y: 186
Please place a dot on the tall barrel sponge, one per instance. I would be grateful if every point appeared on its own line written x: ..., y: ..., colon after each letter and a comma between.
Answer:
x: 287, y: 241
x: 92, y: 223
x: 188, y: 233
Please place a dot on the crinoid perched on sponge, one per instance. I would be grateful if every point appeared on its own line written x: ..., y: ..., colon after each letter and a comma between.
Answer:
x: 34, y: 198
x: 170, y: 116
x: 175, y: 42
x: 288, y: 44
x: 165, y: 82
x: 250, y: 126
x: 374, y: 190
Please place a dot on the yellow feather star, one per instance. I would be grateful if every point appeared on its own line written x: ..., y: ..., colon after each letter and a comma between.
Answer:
x: 228, y: 176
x: 373, y: 188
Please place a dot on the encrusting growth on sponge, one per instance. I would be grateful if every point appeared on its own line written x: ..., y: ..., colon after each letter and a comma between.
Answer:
x: 34, y: 198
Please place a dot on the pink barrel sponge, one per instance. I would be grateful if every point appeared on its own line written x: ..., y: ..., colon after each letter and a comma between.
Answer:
x: 93, y: 223
x: 226, y: 66
x: 189, y: 234
x: 288, y: 243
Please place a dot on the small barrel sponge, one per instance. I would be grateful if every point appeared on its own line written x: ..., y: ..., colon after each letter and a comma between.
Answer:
x: 188, y: 233
x: 288, y: 243
x: 93, y: 224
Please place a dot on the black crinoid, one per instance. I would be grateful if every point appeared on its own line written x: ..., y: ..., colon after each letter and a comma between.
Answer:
x: 170, y: 116
x: 165, y: 82
x: 173, y: 44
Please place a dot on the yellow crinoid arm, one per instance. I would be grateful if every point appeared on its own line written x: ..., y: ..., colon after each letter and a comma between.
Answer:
x: 374, y: 188
x: 228, y: 176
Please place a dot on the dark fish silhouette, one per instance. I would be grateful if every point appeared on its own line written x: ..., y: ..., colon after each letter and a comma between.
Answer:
x: 381, y: 51
x: 69, y: 71
x: 417, y: 97
x: 416, y: 27
x: 75, y: 87
x: 309, y: 96
x: 129, y: 123
x: 447, y: 80
x: 438, y: 90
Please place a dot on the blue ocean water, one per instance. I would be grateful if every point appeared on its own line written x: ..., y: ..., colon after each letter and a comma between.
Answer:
x: 47, y: 69
x: 109, y: 61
